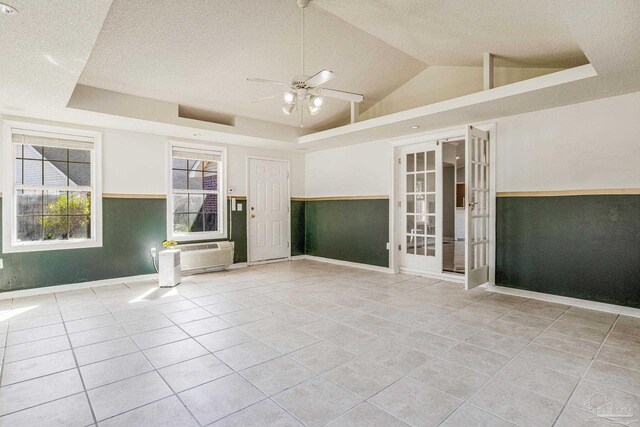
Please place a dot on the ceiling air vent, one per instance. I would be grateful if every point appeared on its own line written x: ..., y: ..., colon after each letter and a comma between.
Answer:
x: 205, y: 115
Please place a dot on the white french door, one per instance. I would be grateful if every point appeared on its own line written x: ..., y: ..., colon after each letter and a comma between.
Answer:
x: 420, y: 225
x: 477, y: 208
x: 268, y: 209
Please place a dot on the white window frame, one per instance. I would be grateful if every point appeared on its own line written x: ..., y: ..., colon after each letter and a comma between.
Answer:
x: 9, y: 238
x: 222, y: 194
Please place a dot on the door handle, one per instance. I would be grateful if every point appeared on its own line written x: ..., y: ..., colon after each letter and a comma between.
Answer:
x: 253, y: 215
x: 473, y: 204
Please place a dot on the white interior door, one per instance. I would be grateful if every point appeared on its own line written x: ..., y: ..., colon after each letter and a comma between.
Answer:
x: 268, y: 209
x: 477, y: 207
x: 420, y: 206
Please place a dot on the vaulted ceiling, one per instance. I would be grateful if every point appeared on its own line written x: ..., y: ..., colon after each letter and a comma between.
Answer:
x: 129, y: 64
x: 200, y: 53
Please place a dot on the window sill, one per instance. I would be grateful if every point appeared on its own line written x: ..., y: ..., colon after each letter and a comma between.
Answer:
x: 50, y: 246
x: 197, y: 236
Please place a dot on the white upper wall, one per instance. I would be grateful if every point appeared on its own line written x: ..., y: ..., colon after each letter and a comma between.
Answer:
x: 354, y: 170
x: 591, y: 145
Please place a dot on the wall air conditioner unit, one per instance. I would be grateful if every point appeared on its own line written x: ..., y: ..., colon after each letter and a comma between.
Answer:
x: 202, y: 257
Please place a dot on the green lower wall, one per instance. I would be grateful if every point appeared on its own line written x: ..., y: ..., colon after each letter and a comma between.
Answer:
x: 130, y: 228
x: 584, y: 247
x: 297, y: 227
x: 348, y: 230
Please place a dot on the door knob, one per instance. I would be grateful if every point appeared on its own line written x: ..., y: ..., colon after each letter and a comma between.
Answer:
x: 253, y: 215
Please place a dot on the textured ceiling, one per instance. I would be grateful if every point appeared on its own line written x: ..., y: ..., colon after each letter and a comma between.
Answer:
x: 200, y: 53
x: 457, y: 32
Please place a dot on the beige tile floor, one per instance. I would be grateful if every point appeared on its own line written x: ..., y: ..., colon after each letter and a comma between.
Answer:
x: 304, y: 343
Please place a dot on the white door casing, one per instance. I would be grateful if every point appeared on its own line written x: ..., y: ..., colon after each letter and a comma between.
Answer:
x: 477, y: 209
x: 268, y: 209
x: 420, y: 207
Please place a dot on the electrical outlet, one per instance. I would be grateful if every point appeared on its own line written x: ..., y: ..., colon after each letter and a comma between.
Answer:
x: 387, y: 245
x: 153, y: 252
x: 239, y: 207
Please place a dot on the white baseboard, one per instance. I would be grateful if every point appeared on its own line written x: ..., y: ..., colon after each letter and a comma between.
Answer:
x: 75, y: 286
x: 583, y: 303
x: 347, y: 263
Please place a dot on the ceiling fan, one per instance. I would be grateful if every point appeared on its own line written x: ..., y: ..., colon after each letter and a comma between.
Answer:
x: 305, y: 92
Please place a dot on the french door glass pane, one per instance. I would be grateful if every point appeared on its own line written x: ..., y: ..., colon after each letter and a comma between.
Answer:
x: 410, y: 162
x: 431, y: 160
x: 419, y: 162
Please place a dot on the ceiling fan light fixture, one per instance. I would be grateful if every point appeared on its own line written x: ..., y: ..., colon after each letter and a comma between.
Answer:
x: 288, y: 108
x: 289, y: 97
x: 7, y: 9
x: 313, y: 110
x: 316, y: 101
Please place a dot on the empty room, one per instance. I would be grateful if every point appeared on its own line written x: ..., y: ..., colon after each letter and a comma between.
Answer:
x: 319, y: 213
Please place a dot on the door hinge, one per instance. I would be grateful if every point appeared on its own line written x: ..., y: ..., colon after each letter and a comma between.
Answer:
x: 399, y: 247
x: 399, y: 160
x: 287, y: 244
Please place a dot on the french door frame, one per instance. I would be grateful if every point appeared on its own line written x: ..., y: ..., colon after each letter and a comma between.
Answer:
x: 248, y: 213
x: 442, y: 135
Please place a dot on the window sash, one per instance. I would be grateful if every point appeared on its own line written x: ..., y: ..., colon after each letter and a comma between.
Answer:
x: 50, y: 137
x: 195, y: 155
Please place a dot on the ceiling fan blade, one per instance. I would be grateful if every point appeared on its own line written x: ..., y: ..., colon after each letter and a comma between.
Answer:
x: 269, y: 81
x: 267, y: 98
x: 340, y: 94
x: 320, y: 78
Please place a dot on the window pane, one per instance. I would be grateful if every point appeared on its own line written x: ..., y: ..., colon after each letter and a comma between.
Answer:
x: 419, y: 162
x: 195, y: 180
x: 195, y: 165
x: 431, y: 182
x: 53, y: 153
x: 211, y: 222
x: 410, y: 204
x: 31, y: 172
x: 195, y: 203
x: 420, y: 246
x: 80, y: 174
x: 195, y: 222
x: 410, y: 183
x: 56, y: 173
x: 211, y: 203
x: 80, y: 203
x: 420, y: 187
x: 410, y: 162
x: 180, y: 223
x: 179, y: 163
x: 29, y: 202
x: 56, y: 227
x: 180, y: 203
x: 210, y: 181
x: 431, y: 160
x: 80, y: 227
x: 179, y: 179
x: 83, y: 156
x: 32, y: 152
x: 410, y: 224
x: 55, y: 203
x: 29, y: 228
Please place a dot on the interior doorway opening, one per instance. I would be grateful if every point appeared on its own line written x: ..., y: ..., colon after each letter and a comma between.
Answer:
x: 453, y: 207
